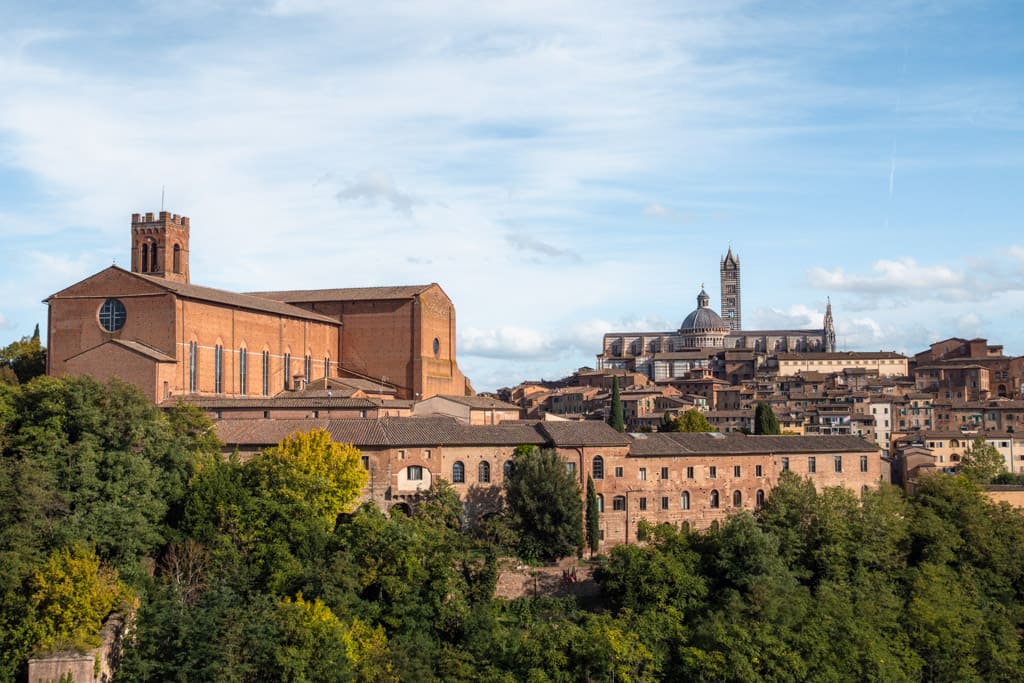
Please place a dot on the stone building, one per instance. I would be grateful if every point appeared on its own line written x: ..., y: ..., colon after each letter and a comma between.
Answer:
x: 660, y: 477
x: 152, y: 327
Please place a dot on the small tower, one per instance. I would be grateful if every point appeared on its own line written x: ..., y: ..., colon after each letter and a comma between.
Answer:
x: 160, y: 245
x: 730, y: 272
x: 829, y: 331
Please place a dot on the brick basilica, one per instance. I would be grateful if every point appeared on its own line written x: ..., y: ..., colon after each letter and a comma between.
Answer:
x: 153, y: 328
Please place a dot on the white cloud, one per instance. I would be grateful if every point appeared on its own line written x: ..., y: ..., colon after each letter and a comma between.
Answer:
x: 900, y: 275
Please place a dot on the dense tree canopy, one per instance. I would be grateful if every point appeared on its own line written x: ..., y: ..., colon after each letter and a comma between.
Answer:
x: 262, y: 571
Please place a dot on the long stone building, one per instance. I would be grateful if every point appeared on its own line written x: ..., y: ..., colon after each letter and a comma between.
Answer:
x: 152, y: 327
x: 661, y: 477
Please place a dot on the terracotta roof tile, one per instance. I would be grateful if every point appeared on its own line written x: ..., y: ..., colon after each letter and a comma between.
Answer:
x: 345, y: 293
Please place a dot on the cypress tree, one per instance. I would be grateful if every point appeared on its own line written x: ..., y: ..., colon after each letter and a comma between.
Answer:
x: 593, y: 524
x: 765, y: 421
x: 615, y: 418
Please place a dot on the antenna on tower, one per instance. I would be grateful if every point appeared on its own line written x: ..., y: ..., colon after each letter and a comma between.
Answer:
x: 162, y: 187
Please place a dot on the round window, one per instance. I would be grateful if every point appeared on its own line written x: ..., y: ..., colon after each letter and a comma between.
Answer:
x: 112, y: 315
x: 437, y: 346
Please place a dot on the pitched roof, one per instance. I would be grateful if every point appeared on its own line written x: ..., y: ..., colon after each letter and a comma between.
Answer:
x: 716, y: 443
x: 841, y: 355
x: 398, y: 431
x: 220, y: 296
x: 346, y: 293
x: 262, y: 402
x: 479, y: 402
x: 585, y: 433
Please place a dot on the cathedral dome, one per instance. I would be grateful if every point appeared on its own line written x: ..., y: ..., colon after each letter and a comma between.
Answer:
x: 703, y: 327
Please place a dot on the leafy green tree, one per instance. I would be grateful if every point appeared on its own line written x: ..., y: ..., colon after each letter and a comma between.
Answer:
x: 765, y: 421
x: 313, y: 471
x: 694, y: 421
x: 667, y: 423
x: 615, y: 418
x: 544, y: 500
x: 593, y: 521
x: 24, y: 360
x: 982, y: 462
x: 72, y: 593
x: 440, y: 505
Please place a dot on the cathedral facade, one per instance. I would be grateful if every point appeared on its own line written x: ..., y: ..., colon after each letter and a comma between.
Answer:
x: 152, y: 327
x: 704, y: 333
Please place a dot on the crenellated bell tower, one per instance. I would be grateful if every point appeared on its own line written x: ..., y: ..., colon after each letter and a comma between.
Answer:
x: 160, y: 245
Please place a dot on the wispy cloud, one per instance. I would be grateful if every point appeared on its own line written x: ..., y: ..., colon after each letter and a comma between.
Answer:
x: 373, y: 187
x: 532, y: 245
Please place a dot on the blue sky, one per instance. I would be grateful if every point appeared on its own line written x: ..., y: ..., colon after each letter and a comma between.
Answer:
x: 560, y: 168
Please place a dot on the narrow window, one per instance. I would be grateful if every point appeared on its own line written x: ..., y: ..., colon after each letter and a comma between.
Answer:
x: 812, y: 464
x: 366, y: 462
x: 714, y: 499
x: 597, y: 467
x: 737, y: 499
x: 785, y: 464
x: 570, y: 467
x: 684, y: 500
x: 689, y: 473
x: 664, y: 502
x: 145, y: 258
x: 218, y: 369
x: 600, y: 503
x: 863, y: 463
x: 266, y: 373
x: 506, y: 469
x: 177, y: 258
x: 193, y: 367
x: 152, y: 258
x: 243, y: 372
x: 458, y: 473
x: 307, y: 370
x: 839, y: 463
x: 643, y: 504
x: 713, y: 472
x: 643, y: 474
x: 736, y: 471
x: 415, y: 473
x: 484, y: 476
x: 664, y: 473
x: 759, y: 498
x: 327, y: 367
x: 618, y: 472
x: 619, y: 503
x: 287, y: 371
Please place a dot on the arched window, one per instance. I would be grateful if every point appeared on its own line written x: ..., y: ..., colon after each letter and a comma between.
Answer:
x: 506, y: 469
x: 327, y: 366
x: 600, y: 503
x: 218, y: 368
x: 458, y: 473
x: 266, y: 373
x: 152, y: 258
x: 714, y: 499
x: 760, y: 498
x: 145, y: 258
x: 484, y: 476
x: 243, y: 371
x: 177, y: 258
x: 684, y: 500
x: 597, y: 468
x: 193, y: 367
x: 737, y: 499
x: 619, y: 503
